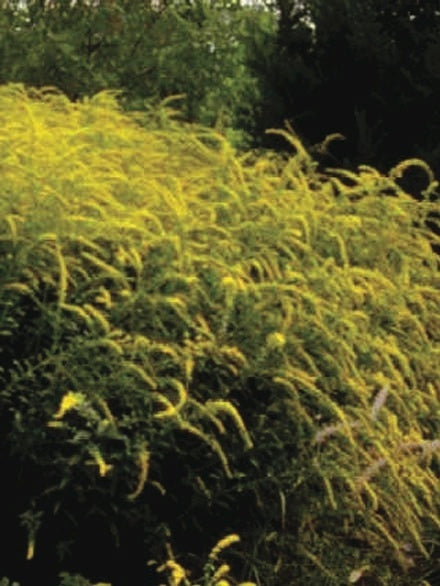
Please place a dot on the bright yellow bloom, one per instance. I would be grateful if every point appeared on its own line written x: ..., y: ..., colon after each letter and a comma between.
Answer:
x: 103, y: 467
x: 30, y: 549
x: 177, y: 572
x: 223, y: 544
x: 219, y: 573
x: 276, y: 340
x: 68, y: 402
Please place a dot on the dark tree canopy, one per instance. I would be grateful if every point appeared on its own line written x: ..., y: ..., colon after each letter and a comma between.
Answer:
x: 367, y: 69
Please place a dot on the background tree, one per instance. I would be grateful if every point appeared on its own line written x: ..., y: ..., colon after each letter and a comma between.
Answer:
x: 148, y: 50
x: 367, y: 69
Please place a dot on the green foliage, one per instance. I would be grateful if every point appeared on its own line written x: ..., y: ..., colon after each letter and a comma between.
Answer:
x: 189, y: 333
x: 150, y: 51
x: 67, y: 579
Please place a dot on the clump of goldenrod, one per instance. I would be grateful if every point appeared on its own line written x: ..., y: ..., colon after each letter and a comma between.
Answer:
x: 215, y: 573
x: 268, y: 331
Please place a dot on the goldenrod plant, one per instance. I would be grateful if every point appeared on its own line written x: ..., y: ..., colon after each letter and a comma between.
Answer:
x: 215, y: 573
x: 204, y: 342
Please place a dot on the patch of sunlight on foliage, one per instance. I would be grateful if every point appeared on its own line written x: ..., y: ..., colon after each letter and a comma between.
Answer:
x: 163, y: 296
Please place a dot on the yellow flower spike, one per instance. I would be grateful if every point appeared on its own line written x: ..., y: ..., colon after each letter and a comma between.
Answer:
x: 104, y: 298
x: 31, y: 549
x: 230, y: 287
x: 178, y: 573
x: 55, y: 424
x: 98, y: 316
x: 70, y: 401
x: 169, y: 411
x: 220, y: 572
x: 229, y: 283
x: 276, y: 340
x: 106, y: 409
x: 223, y: 583
x: 228, y: 408
x: 181, y: 391
x: 103, y: 467
x: 223, y: 544
x: 144, y: 463
x: 189, y: 368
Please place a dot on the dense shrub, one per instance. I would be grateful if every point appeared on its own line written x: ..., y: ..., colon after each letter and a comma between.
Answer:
x: 196, y: 343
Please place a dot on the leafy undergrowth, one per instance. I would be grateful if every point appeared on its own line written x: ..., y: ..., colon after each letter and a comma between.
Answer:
x: 197, y: 342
